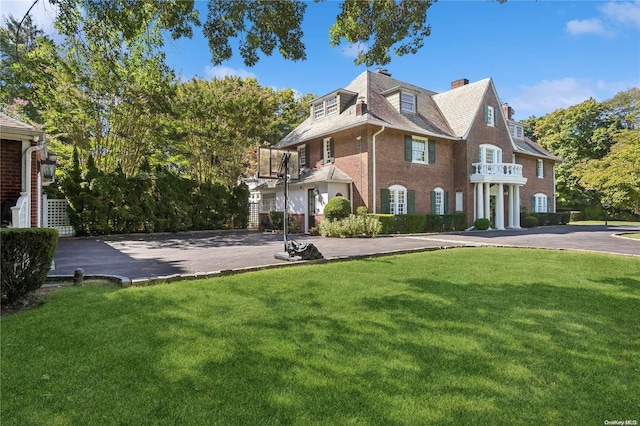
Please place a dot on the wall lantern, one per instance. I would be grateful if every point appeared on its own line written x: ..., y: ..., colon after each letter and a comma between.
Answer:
x: 49, y: 167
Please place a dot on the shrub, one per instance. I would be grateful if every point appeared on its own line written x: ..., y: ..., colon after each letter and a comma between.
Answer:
x: 411, y: 223
x: 25, y: 259
x: 546, y: 219
x: 530, y: 221
x: 337, y: 208
x: 482, y: 224
x: 351, y: 226
x: 362, y: 210
x: 276, y: 219
x: 576, y: 215
x: 388, y: 222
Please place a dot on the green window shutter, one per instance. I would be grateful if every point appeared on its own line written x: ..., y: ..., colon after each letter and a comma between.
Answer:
x: 432, y: 151
x: 533, y: 203
x: 433, y: 202
x: 496, y: 114
x: 446, y: 203
x: 408, y: 148
x: 548, y: 204
x: 385, y: 199
x: 411, y: 201
x: 306, y: 156
x: 543, y: 170
x: 331, y: 150
x: 486, y: 113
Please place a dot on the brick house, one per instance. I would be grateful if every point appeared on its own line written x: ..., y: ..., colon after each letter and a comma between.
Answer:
x: 398, y: 148
x: 22, y: 151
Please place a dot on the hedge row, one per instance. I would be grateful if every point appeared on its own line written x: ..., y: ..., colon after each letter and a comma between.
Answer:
x: 420, y: 223
x: 25, y: 259
x: 548, y: 219
x: 151, y: 201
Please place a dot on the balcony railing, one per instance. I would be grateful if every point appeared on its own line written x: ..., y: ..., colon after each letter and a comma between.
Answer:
x: 498, y: 169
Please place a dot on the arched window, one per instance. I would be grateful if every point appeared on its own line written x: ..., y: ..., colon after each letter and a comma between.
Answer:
x: 490, y: 154
x: 539, y: 203
x: 437, y: 201
x: 397, y: 199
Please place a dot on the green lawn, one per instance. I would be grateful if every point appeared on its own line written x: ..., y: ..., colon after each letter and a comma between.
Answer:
x: 609, y: 223
x: 475, y: 336
x: 634, y: 236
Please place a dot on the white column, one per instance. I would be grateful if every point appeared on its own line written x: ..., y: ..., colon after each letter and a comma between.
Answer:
x: 510, y: 207
x: 479, y: 201
x: 487, y: 200
x: 500, y: 207
x: 516, y: 207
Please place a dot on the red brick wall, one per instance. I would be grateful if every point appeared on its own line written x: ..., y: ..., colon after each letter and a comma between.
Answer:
x: 10, y: 169
x: 535, y: 184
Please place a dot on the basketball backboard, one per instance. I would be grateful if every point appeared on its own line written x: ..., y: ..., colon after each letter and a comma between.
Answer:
x: 270, y: 163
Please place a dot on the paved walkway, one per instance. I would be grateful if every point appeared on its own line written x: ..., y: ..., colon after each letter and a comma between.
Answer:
x: 142, y: 256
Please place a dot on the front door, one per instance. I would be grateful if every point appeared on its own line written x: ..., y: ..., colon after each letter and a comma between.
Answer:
x: 311, y: 209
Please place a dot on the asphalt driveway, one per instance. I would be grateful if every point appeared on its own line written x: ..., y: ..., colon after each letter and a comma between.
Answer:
x: 142, y: 256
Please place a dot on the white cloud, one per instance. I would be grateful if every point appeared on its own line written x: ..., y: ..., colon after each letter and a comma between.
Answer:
x: 586, y: 26
x: 550, y: 95
x: 352, y: 50
x: 43, y: 13
x: 221, y: 71
x: 623, y: 13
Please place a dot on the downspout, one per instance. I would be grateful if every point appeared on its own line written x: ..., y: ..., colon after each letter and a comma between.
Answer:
x: 374, y: 167
x: 27, y: 173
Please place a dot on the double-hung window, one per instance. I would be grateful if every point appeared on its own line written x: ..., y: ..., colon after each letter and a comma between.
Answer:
x: 302, y: 155
x: 490, y: 115
x: 268, y: 203
x: 407, y: 102
x: 540, y: 168
x: 418, y: 151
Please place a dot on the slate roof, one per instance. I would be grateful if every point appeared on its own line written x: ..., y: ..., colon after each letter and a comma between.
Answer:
x: 11, y: 125
x: 323, y: 174
x: 448, y: 115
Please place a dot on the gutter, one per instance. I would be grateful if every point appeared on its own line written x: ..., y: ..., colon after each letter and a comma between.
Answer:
x: 374, y: 167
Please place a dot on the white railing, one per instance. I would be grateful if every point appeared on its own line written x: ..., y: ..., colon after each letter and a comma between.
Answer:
x: 20, y: 213
x: 498, y: 169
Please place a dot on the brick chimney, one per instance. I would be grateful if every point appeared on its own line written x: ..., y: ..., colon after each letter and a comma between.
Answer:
x: 508, y: 111
x: 361, y: 106
x: 459, y: 83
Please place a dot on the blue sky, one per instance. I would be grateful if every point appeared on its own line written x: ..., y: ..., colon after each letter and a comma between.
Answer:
x: 542, y: 55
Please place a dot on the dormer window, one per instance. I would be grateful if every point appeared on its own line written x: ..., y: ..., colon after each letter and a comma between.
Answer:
x: 517, y: 131
x: 407, y: 102
x: 325, y: 107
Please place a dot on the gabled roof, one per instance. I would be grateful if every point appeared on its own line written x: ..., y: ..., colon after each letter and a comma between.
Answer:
x: 9, y: 125
x: 370, y: 86
x: 461, y: 105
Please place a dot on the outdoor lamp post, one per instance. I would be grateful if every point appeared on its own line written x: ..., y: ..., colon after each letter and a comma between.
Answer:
x: 49, y: 167
x: 605, y: 206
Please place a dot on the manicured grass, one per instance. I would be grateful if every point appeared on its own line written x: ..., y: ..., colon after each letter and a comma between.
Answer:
x: 476, y: 336
x: 634, y: 236
x: 609, y: 223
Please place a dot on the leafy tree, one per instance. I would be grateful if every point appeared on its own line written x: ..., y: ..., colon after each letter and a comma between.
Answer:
x: 616, y: 176
x: 20, y: 43
x: 380, y: 26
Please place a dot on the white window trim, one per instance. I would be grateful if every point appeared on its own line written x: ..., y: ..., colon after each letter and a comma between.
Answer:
x: 540, y: 205
x: 425, y: 152
x: 410, y: 103
x: 491, y: 116
x: 540, y: 168
x: 325, y: 107
x: 302, y: 149
x: 268, y: 203
x: 397, y: 199
x: 439, y: 200
x: 497, y: 153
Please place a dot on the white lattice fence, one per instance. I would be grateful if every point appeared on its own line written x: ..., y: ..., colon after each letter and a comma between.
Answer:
x: 56, y: 216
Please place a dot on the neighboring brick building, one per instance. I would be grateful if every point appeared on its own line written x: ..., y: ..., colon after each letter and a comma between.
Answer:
x: 398, y: 148
x: 21, y: 152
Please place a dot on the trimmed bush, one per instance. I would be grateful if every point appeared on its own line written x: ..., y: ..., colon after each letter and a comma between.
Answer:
x: 482, y: 224
x: 25, y: 259
x: 351, y: 226
x: 388, y: 222
x: 576, y: 215
x: 530, y: 221
x: 547, y: 219
x: 362, y: 210
x: 337, y: 208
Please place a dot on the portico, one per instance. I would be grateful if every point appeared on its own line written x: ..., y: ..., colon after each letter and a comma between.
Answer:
x: 492, y: 180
